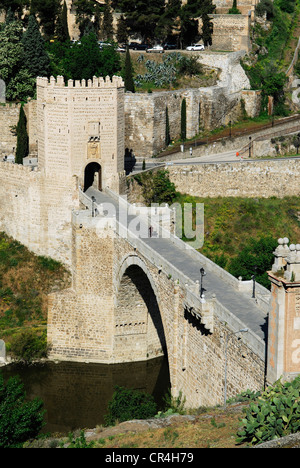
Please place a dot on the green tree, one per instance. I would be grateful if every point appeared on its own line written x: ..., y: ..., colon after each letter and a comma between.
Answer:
x: 107, y: 29
x: 183, y: 120
x: 62, y: 28
x: 85, y: 60
x: 85, y: 11
x: 22, y: 138
x: 48, y: 12
x: 190, y: 14
x: 15, y: 6
x: 36, y: 59
x: 168, y: 24
x: 255, y: 258
x: 167, y: 138
x: 128, y: 73
x: 122, y: 30
x: 20, y: 420
x: 19, y: 82
x: 142, y: 17
x: 234, y: 9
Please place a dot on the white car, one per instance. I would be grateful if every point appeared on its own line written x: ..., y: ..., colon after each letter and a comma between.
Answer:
x: 157, y: 48
x: 196, y: 47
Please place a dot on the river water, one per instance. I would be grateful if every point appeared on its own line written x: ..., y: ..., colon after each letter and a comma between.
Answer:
x: 76, y: 395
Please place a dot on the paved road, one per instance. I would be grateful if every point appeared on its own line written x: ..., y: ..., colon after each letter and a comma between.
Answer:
x: 241, y: 305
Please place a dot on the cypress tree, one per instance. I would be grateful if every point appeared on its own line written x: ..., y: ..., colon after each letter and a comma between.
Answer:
x: 62, y: 29
x: 168, y: 139
x: 128, y: 76
x: 22, y: 138
x: 36, y: 59
x: 183, y: 120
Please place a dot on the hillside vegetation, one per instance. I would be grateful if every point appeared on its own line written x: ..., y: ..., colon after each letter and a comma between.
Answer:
x: 25, y: 281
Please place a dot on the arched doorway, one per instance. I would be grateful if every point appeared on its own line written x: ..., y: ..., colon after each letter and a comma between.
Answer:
x: 139, y: 332
x: 93, y: 176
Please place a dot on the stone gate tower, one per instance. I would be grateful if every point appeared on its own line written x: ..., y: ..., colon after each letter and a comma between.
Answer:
x: 284, y: 316
x: 81, y: 130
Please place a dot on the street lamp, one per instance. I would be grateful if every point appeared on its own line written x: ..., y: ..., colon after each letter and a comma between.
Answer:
x: 253, y: 277
x: 93, y: 206
x: 250, y: 141
x: 243, y: 330
x: 202, y: 273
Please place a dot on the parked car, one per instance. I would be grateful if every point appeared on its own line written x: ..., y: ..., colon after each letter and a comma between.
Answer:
x: 196, y: 47
x: 156, y: 49
x: 104, y: 44
x: 142, y: 47
x: 170, y: 46
x: 133, y: 45
x: 121, y: 49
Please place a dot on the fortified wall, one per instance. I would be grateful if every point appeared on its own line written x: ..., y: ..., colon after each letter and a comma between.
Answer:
x: 79, y: 137
x: 263, y: 179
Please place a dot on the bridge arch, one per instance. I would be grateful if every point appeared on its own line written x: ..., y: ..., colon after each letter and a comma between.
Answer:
x: 139, y: 330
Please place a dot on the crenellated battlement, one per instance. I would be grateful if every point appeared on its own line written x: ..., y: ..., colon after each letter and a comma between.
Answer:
x: 96, y: 82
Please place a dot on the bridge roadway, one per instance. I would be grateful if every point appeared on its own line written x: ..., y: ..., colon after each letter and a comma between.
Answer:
x: 239, y: 304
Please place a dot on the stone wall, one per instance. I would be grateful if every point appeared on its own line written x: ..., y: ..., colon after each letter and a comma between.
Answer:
x: 243, y: 5
x: 9, y: 116
x: 231, y: 32
x: 238, y: 179
x: 36, y: 210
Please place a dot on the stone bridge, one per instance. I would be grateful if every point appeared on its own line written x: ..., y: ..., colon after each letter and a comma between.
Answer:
x: 136, y: 297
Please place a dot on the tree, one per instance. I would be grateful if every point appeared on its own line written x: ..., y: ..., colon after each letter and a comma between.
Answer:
x: 85, y: 60
x: 167, y: 139
x: 234, y: 9
x: 190, y: 14
x: 207, y: 30
x: 20, y: 420
x: 36, y: 59
x: 122, y: 30
x: 19, y: 82
x: 142, y: 17
x: 128, y: 74
x: 62, y: 29
x: 107, y: 23
x: 169, y: 23
x: 22, y: 138
x: 85, y: 10
x: 183, y: 120
x: 48, y: 12
x: 256, y: 257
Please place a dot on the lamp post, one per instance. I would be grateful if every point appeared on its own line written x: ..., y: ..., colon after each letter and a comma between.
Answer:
x: 250, y: 141
x: 93, y: 206
x: 202, y: 273
x: 253, y: 277
x: 243, y: 330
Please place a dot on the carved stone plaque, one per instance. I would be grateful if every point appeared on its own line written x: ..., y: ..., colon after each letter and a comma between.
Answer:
x: 94, y: 150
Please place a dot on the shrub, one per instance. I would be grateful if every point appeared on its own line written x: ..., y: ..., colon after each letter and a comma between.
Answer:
x: 19, y: 420
x: 275, y: 414
x: 129, y: 404
x: 29, y: 345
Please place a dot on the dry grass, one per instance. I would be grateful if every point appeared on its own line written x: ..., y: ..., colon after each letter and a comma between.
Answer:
x: 215, y: 429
